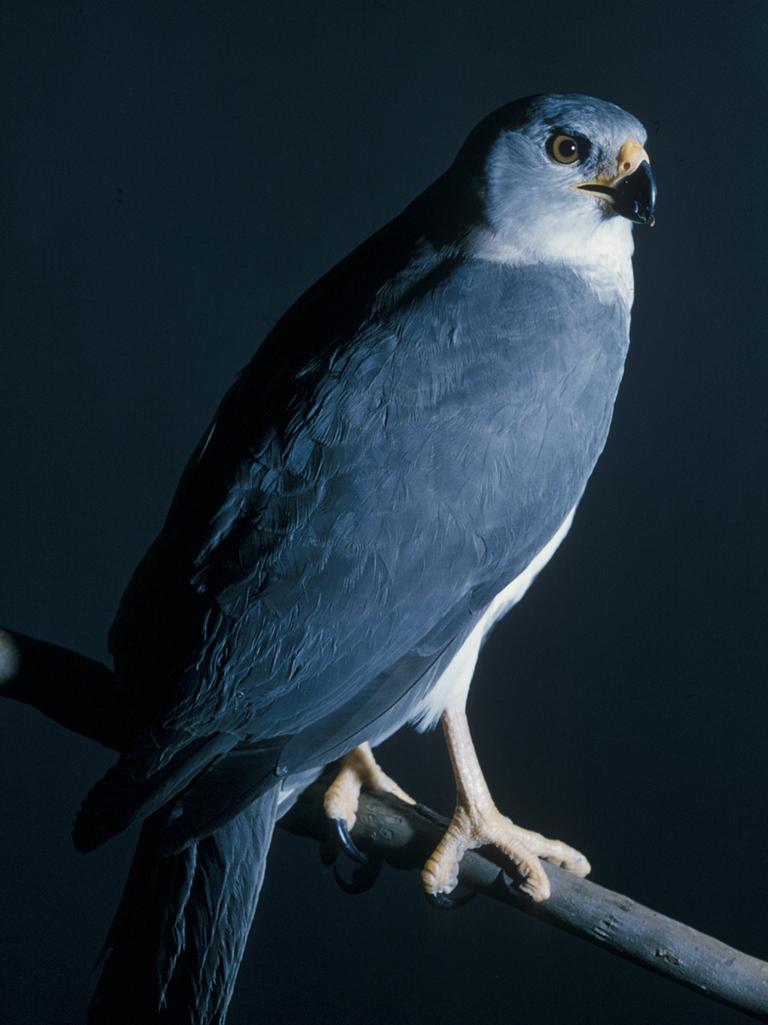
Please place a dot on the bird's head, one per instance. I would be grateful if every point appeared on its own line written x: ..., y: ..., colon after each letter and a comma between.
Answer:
x: 560, y: 178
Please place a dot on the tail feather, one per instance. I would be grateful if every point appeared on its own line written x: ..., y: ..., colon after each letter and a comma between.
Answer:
x: 176, y: 943
x: 227, y: 786
x: 140, y: 782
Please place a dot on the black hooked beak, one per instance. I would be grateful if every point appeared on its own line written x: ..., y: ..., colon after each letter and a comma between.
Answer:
x: 635, y: 195
x: 632, y: 196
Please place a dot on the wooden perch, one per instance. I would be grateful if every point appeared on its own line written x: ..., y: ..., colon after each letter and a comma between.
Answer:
x: 82, y: 695
x: 404, y: 836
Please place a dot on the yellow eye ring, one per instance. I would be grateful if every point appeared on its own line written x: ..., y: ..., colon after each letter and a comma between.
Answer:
x: 566, y: 149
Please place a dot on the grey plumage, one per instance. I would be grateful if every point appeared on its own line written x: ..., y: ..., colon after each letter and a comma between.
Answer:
x: 180, y: 931
x: 407, y: 439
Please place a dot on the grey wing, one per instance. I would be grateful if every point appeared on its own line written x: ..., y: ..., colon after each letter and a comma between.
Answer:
x: 410, y: 474
x: 438, y: 456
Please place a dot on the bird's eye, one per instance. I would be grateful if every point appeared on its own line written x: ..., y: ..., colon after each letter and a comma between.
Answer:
x: 567, y: 149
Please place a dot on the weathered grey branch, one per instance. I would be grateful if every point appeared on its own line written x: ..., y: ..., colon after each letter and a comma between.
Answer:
x: 82, y: 695
x: 74, y: 691
x: 404, y: 836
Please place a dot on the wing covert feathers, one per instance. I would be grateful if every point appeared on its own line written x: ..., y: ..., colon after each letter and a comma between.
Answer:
x: 139, y: 783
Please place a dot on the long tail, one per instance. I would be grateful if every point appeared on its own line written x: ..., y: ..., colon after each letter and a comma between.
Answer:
x: 175, y: 946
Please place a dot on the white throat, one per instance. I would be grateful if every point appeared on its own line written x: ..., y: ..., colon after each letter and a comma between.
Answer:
x: 601, y: 257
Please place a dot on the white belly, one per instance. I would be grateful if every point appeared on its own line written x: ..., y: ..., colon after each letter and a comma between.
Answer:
x: 452, y: 687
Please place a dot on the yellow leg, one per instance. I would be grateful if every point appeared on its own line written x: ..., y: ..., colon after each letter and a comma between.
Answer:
x: 359, y: 769
x: 477, y: 821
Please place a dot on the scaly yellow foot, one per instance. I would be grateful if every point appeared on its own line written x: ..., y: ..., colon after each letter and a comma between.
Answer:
x: 477, y: 821
x: 358, y: 769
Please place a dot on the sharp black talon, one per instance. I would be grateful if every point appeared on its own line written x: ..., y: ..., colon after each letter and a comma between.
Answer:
x: 507, y: 884
x: 504, y: 884
x: 363, y: 878
x: 447, y: 902
x: 347, y: 844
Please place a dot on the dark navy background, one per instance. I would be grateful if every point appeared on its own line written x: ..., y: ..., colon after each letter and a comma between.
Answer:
x: 177, y: 173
